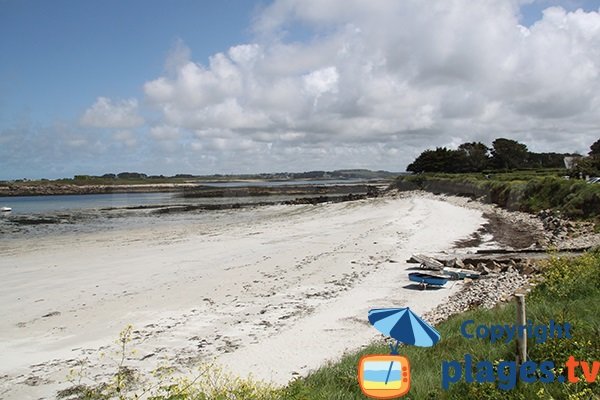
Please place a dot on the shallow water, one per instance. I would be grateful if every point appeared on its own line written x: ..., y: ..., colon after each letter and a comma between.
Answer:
x: 45, y: 204
x: 92, y: 213
x: 34, y: 216
x: 24, y: 205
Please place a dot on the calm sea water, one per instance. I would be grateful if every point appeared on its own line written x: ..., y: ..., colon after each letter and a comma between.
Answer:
x: 45, y: 204
x: 91, y: 202
x: 49, y: 204
x: 34, y: 216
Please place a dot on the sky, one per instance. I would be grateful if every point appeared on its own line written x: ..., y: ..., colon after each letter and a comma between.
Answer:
x: 241, y: 86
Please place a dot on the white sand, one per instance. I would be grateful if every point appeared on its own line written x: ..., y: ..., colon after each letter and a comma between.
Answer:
x: 272, y: 291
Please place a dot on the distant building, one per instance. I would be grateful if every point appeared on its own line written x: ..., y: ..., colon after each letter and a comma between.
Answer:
x: 571, y: 161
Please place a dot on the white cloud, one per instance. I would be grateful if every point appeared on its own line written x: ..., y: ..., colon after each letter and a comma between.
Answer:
x: 178, y: 56
x: 245, y: 55
x: 368, y: 84
x: 194, y: 87
x: 321, y: 81
x: 106, y: 114
x: 126, y: 138
x: 164, y: 132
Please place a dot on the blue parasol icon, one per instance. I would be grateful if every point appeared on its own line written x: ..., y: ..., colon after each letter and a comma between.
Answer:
x: 405, y: 326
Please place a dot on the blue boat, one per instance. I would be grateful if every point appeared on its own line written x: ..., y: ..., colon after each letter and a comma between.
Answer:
x: 428, y: 279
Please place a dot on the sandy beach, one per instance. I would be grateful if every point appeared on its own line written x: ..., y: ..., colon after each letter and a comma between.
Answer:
x: 270, y: 291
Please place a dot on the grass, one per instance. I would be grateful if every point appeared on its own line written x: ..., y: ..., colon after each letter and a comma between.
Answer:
x: 569, y: 291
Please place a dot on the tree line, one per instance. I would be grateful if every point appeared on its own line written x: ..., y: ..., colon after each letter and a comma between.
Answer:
x: 504, y: 155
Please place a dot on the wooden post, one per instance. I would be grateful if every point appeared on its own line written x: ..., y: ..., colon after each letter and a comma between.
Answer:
x: 521, y: 321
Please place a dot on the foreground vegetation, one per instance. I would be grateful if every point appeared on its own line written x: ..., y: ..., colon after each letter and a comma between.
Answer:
x: 568, y: 291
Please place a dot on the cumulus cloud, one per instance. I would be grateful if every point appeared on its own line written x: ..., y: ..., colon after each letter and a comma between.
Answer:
x: 125, y: 137
x: 105, y: 113
x: 164, y: 132
x: 321, y: 81
x: 349, y: 83
x: 386, y: 79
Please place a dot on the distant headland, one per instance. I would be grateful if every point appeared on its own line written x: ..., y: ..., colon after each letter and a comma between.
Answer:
x: 136, y: 182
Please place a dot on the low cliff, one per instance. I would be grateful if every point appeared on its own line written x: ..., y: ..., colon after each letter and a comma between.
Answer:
x: 575, y: 199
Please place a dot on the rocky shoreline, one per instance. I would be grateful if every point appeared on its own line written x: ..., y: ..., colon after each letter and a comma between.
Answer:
x: 187, y: 190
x: 485, y: 293
x: 503, y: 277
x: 55, y: 189
x: 545, y: 230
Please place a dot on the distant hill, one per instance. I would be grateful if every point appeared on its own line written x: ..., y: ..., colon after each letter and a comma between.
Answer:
x: 142, y: 178
x: 337, y: 174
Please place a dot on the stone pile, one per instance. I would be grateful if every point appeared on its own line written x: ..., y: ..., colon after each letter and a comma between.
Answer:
x: 496, y: 265
x: 502, y: 277
x: 555, y: 225
x: 563, y: 232
x: 484, y: 293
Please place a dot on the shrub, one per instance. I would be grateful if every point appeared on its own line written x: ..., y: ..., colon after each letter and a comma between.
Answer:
x: 211, y: 382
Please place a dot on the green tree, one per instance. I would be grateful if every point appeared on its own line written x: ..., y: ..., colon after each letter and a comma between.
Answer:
x: 477, y: 155
x: 585, y: 166
x: 595, y: 149
x: 595, y: 157
x: 547, y: 160
x: 508, y: 154
x: 440, y: 160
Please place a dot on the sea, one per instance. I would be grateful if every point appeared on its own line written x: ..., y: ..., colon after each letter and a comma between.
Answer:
x: 56, y: 214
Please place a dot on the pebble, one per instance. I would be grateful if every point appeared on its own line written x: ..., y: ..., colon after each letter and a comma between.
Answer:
x: 484, y: 293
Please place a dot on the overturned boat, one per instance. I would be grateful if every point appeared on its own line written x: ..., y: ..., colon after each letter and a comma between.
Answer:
x: 428, y: 279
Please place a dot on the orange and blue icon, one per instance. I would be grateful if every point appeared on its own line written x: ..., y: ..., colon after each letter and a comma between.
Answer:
x: 384, y: 376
